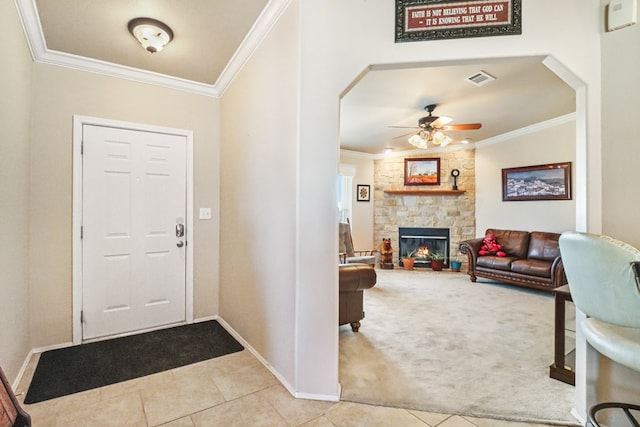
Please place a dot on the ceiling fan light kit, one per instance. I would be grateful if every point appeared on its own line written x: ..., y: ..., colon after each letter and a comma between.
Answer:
x: 152, y: 34
x: 417, y: 141
x: 441, y: 139
x: 430, y: 129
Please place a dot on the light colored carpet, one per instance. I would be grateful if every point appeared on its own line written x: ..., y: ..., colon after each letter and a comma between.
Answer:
x: 436, y: 342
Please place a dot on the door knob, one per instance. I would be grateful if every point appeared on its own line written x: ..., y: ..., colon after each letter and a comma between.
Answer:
x: 180, y: 244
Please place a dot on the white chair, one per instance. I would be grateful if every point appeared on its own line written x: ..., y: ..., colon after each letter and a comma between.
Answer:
x: 604, y: 279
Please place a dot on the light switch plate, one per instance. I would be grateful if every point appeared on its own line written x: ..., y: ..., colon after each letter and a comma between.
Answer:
x: 205, y: 213
x: 622, y: 13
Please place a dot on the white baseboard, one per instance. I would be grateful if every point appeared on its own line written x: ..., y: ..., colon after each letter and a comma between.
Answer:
x: 271, y: 369
x: 257, y: 355
x: 205, y: 319
x: 33, y: 351
x: 577, y: 416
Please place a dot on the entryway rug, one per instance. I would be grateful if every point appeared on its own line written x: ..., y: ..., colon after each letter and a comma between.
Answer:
x: 83, y: 367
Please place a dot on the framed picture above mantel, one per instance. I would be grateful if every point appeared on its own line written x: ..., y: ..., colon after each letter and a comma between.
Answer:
x: 540, y: 182
x: 422, y: 171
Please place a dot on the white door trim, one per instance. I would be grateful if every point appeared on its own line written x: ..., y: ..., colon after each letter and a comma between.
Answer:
x: 78, y: 123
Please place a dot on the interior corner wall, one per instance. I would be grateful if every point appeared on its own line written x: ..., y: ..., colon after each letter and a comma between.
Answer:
x: 340, y: 39
x: 620, y: 134
x: 258, y: 217
x: 551, y: 145
x: 608, y: 380
x: 362, y: 217
x: 15, y: 119
x: 59, y: 94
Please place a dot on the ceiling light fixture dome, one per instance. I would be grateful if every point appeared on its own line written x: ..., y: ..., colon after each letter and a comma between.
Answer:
x: 152, y: 34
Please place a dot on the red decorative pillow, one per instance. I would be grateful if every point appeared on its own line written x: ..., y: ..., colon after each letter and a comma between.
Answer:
x: 490, y: 246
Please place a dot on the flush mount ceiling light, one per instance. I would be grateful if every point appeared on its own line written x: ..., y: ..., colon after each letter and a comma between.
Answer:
x: 152, y: 34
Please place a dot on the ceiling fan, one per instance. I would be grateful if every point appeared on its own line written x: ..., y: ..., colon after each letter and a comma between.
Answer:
x: 431, y: 128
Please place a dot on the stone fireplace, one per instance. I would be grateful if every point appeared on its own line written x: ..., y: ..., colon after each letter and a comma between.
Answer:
x: 422, y: 242
x: 398, y: 206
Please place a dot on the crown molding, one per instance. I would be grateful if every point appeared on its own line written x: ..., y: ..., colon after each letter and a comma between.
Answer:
x: 265, y: 22
x: 28, y: 12
x: 536, y: 127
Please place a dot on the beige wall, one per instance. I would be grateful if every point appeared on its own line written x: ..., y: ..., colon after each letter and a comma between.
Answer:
x: 59, y: 94
x: 15, y: 103
x: 607, y: 380
x: 550, y: 145
x: 259, y: 148
x: 362, y: 218
x: 621, y: 134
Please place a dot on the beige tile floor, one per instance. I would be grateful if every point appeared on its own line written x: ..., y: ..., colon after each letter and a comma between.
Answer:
x: 233, y: 390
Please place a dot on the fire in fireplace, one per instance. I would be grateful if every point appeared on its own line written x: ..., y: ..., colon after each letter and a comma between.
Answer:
x: 422, y: 242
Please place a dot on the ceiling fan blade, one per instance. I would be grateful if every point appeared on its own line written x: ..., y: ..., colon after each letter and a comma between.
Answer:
x: 467, y: 126
x: 403, y: 135
x: 441, y: 121
x: 403, y: 127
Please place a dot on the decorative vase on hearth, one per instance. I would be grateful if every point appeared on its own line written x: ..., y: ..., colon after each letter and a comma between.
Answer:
x: 407, y: 263
x: 436, y: 264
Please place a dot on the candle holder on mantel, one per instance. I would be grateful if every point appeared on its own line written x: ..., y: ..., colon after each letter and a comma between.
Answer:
x: 455, y: 174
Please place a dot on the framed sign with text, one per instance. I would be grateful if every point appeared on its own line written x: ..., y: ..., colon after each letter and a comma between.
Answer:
x: 418, y: 20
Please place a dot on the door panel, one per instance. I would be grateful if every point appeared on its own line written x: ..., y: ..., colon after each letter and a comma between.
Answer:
x: 134, y: 194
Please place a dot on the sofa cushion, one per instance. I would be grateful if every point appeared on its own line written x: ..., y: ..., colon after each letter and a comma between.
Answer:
x: 543, y: 246
x: 514, y: 243
x: 495, y: 262
x: 532, y: 267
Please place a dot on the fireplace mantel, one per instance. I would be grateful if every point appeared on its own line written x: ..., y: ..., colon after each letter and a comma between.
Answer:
x: 425, y: 192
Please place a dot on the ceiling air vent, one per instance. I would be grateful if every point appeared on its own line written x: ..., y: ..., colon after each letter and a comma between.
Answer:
x: 481, y: 78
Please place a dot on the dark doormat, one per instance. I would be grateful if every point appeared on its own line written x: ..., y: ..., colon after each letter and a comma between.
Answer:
x: 83, y: 367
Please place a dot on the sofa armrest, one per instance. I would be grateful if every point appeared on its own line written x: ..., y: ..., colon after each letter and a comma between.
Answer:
x: 471, y: 248
x: 356, y: 277
x: 558, y: 276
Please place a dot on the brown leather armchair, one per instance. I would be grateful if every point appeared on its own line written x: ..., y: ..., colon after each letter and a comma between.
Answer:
x: 353, y: 280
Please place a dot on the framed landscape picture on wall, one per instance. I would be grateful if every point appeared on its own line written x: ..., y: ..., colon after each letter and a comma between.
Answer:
x: 422, y: 171
x: 540, y: 182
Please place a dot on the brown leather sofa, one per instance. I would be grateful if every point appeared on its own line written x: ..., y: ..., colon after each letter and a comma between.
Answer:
x: 353, y: 280
x: 533, y: 259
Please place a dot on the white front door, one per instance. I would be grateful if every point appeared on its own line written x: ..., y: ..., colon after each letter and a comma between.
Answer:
x: 133, y: 211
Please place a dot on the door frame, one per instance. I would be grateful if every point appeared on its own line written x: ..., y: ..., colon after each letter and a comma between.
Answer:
x: 77, y: 285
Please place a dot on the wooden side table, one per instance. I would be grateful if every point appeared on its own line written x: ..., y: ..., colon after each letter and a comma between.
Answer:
x: 563, y: 365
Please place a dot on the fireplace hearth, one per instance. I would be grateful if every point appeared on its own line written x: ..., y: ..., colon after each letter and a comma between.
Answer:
x: 423, y: 241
